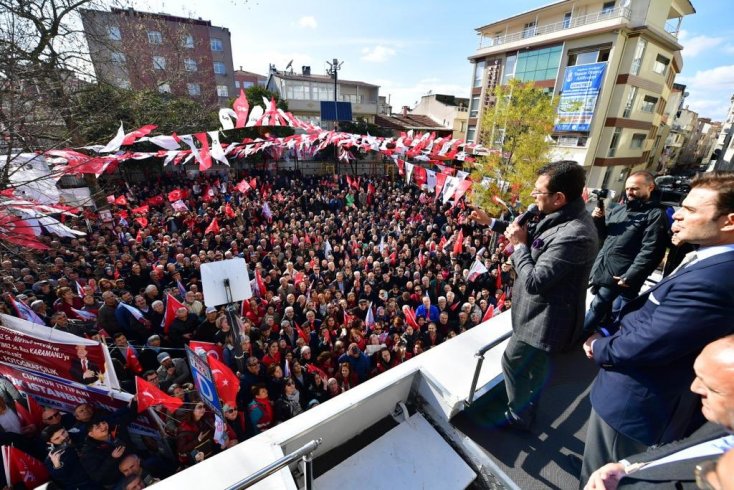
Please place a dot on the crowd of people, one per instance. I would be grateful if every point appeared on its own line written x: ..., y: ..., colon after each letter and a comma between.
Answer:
x: 334, y: 263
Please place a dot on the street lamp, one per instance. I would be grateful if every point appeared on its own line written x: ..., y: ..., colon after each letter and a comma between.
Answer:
x: 334, y: 67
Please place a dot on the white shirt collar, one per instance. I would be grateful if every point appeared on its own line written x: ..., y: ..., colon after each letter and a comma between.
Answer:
x: 706, y: 252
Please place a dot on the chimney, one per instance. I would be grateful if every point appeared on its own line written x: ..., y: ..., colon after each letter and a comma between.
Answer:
x: 240, y: 67
x: 306, y: 71
x: 405, y: 110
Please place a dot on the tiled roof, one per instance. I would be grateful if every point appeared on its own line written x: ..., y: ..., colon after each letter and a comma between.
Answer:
x: 410, y: 121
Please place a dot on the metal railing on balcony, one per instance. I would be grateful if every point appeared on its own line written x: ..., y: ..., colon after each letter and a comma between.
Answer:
x: 581, y: 20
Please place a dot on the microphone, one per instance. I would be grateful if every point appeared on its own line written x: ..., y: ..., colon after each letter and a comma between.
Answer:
x: 531, y: 212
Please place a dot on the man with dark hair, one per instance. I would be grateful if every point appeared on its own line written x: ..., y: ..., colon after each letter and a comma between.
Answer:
x: 62, y: 462
x: 552, y: 258
x: 634, y: 237
x: 640, y: 397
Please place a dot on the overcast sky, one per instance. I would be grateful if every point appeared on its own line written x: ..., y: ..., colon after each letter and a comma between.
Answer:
x: 411, y: 47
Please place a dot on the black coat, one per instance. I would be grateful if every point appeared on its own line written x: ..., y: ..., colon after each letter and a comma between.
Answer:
x: 634, y: 237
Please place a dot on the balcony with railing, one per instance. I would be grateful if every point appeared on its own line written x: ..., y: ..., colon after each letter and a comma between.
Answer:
x: 526, y: 34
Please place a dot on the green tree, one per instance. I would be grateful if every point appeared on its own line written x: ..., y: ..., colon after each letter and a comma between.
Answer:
x: 103, y: 107
x: 516, y: 131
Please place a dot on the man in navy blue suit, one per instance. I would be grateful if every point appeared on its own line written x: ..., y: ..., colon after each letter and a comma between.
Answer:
x: 640, y: 397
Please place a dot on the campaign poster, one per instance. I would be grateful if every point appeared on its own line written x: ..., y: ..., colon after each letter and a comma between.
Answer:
x: 47, y: 351
x: 580, y: 91
x: 65, y: 396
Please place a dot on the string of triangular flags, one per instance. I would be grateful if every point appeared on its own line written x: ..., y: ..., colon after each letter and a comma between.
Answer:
x: 205, y: 147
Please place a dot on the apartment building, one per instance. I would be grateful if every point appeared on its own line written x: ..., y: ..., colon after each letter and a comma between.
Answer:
x: 246, y: 79
x: 305, y: 91
x: 152, y: 51
x: 447, y: 110
x: 611, y: 63
x: 724, y: 149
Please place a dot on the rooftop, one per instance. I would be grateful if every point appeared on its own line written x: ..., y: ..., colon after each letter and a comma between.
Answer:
x: 408, y: 122
x: 319, y: 78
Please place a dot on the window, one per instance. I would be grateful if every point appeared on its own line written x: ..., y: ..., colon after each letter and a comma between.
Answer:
x: 474, y: 107
x: 190, y: 65
x: 607, y: 8
x: 661, y: 65
x: 499, y: 137
x: 509, y: 71
x: 154, y: 37
x: 164, y: 88
x: 247, y: 84
x: 638, y: 139
x: 117, y: 57
x: 615, y: 141
x: 113, y: 33
x: 538, y: 64
x: 528, y: 29
x: 639, y: 53
x: 567, y: 20
x: 216, y: 44
x: 194, y: 88
x: 630, y: 102
x: 648, y: 103
x: 471, y: 133
x: 478, y: 73
x: 588, y: 57
x: 187, y: 41
x: 222, y: 91
x: 219, y: 68
x: 159, y: 63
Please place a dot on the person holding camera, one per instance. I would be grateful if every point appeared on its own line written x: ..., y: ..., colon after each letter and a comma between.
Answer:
x: 634, y: 237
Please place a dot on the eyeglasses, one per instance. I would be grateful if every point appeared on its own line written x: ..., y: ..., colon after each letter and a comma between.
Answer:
x: 52, y: 416
x: 231, y: 410
x: 536, y: 192
x: 705, y: 473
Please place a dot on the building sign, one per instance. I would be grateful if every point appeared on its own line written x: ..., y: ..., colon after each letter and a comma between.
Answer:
x: 581, y: 87
x: 204, y: 381
x: 494, y: 68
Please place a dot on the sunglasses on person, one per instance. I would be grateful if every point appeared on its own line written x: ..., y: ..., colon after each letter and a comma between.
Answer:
x: 52, y: 416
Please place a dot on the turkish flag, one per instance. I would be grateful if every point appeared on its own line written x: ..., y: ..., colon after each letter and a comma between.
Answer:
x: 459, y: 243
x: 25, y: 469
x: 121, y: 201
x: 228, y: 384
x: 144, y: 209
x: 229, y: 211
x: 442, y: 243
x: 410, y: 316
x: 155, y: 200
x: 499, y: 277
x: 253, y: 183
x: 488, y: 314
x: 142, y: 220
x: 501, y: 302
x: 149, y: 396
x: 175, y: 195
x: 260, y: 283
x: 132, y: 362
x: 172, y: 304
x: 208, y: 348
x: 212, y: 228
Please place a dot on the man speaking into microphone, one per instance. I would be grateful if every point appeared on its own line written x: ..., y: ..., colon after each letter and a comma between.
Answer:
x: 553, y: 254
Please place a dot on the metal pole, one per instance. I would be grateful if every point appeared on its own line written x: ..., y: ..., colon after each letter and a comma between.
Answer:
x: 475, y: 380
x: 308, y: 472
x: 276, y: 466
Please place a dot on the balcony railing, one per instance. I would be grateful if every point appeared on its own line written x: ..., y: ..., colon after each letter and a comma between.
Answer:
x: 582, y: 20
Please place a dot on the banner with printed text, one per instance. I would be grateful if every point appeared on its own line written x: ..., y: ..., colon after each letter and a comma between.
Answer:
x: 581, y: 87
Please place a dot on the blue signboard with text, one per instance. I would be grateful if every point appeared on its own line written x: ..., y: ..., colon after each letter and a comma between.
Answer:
x: 581, y: 87
x: 204, y: 382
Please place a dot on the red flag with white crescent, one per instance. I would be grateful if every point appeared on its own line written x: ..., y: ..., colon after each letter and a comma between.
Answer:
x: 149, y: 396
x: 488, y: 314
x: 25, y: 469
x: 228, y: 384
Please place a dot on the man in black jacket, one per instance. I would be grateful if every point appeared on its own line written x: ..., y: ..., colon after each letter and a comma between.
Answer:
x: 634, y: 237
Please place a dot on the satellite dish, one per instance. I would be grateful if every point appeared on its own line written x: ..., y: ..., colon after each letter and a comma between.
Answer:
x: 289, y: 65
